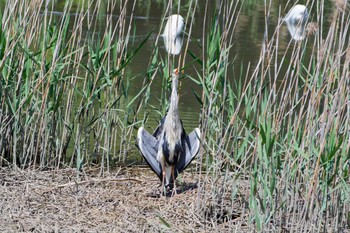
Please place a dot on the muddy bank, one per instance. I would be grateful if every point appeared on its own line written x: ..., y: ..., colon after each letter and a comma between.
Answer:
x: 125, y: 200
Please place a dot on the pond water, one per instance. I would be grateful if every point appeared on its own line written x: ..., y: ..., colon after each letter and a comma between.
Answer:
x: 248, y: 36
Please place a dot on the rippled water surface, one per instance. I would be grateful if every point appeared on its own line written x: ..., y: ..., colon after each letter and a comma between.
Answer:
x: 147, y: 17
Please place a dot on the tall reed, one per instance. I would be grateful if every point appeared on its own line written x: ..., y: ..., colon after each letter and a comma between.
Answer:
x: 281, y: 145
x: 275, y: 142
x: 64, y: 93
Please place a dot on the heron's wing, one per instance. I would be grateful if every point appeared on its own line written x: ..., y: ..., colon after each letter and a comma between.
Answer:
x: 191, y: 145
x: 148, y: 145
x: 158, y: 131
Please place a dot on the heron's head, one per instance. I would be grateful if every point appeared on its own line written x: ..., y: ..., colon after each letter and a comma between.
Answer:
x: 175, y: 78
x: 176, y: 72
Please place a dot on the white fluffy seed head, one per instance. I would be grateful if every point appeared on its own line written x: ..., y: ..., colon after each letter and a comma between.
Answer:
x: 296, y: 21
x: 172, y: 34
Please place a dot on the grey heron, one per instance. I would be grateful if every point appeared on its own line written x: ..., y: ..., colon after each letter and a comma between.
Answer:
x: 173, y: 34
x: 296, y: 20
x: 169, y: 150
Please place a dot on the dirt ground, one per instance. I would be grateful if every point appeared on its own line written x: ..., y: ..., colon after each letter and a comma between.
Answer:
x: 125, y: 200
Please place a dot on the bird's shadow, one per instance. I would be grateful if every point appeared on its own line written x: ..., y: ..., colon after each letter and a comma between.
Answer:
x: 180, y: 189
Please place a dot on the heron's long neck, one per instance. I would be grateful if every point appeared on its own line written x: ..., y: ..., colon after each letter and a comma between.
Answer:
x: 174, y: 99
x: 173, y: 113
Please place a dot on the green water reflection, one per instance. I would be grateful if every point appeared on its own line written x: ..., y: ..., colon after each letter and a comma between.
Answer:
x: 148, y: 15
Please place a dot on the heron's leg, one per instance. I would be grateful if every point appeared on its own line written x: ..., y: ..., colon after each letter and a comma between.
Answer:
x: 174, y: 183
x: 163, y: 179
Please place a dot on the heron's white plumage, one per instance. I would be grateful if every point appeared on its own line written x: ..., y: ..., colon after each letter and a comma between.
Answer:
x: 149, y: 146
x: 172, y: 132
x: 167, y: 175
x: 169, y: 150
x: 296, y: 20
x: 172, y: 34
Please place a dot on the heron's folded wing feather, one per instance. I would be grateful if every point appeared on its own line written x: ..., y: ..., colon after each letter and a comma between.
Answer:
x: 191, y: 145
x: 148, y: 145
